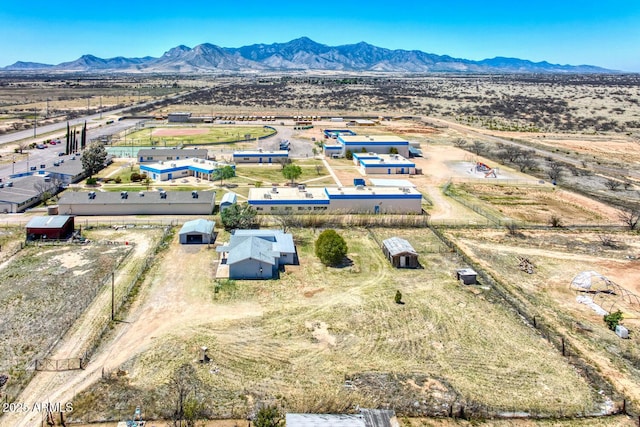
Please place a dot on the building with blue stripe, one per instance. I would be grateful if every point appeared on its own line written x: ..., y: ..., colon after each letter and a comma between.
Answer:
x: 198, y: 168
x: 360, y: 199
x: 380, y: 144
x: 260, y: 156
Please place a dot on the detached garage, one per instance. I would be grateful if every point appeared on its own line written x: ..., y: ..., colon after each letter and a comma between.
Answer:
x: 199, y: 231
x: 50, y: 227
x: 400, y: 253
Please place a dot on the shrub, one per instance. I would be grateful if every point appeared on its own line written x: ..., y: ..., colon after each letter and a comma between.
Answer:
x: 118, y: 180
x: 92, y: 181
x: 135, y: 177
x: 398, y: 297
x: 613, y: 319
x: 348, y: 155
x: 330, y: 247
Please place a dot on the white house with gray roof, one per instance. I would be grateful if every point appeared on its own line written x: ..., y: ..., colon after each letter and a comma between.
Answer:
x: 258, y: 254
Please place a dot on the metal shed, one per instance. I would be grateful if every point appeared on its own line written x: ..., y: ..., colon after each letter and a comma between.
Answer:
x: 467, y: 276
x: 400, y: 253
x: 50, y: 227
x: 198, y: 231
x: 227, y: 200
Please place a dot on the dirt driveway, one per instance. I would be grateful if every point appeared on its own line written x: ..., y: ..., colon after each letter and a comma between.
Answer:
x: 174, y: 298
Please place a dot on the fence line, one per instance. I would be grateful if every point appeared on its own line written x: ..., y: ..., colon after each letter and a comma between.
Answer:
x: 123, y: 296
x: 554, y: 337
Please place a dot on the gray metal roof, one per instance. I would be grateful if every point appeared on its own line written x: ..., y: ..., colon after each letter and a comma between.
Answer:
x: 133, y: 198
x: 324, y: 420
x: 229, y: 198
x: 201, y: 226
x: 21, y: 191
x: 466, y: 272
x: 251, y: 248
x: 183, y: 153
x: 55, y: 221
x: 67, y: 167
x: 366, y: 418
x: 283, y: 242
x: 396, y: 246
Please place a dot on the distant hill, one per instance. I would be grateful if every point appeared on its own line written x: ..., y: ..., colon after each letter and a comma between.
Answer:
x: 300, y: 54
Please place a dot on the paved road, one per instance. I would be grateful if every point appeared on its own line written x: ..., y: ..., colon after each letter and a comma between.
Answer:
x: 36, y: 157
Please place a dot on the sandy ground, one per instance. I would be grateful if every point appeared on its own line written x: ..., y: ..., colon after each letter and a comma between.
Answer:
x: 163, y: 307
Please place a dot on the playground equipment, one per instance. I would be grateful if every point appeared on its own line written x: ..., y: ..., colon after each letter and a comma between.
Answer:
x: 488, y: 171
x: 136, y: 420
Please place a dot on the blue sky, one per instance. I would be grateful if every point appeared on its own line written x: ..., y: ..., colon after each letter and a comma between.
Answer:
x: 603, y: 33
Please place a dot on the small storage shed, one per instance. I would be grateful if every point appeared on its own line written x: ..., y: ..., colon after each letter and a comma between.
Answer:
x: 622, y: 332
x: 467, y: 276
x: 400, y: 253
x: 228, y: 199
x: 50, y: 227
x: 198, y: 231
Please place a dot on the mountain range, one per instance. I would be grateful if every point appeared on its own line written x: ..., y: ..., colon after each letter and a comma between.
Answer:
x: 302, y: 54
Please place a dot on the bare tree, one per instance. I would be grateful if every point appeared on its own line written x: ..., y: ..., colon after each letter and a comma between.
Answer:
x: 459, y: 142
x: 478, y: 147
x: 555, y: 171
x: 184, y: 384
x: 607, y: 240
x: 630, y: 215
x: 612, y: 184
x: 526, y: 160
x: 555, y: 221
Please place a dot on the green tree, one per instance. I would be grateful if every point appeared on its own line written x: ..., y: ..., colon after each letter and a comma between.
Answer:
x: 225, y: 172
x: 398, y: 297
x: 94, y: 158
x: 292, y: 172
x: 238, y: 216
x: 613, y: 319
x: 348, y: 155
x: 330, y: 248
x: 268, y: 416
x: 393, y: 150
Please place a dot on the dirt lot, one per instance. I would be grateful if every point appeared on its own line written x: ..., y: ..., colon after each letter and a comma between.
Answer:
x: 67, y: 283
x: 300, y: 338
x: 537, y: 204
x: 558, y: 257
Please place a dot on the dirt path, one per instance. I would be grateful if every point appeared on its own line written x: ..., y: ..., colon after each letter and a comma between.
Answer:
x: 174, y: 299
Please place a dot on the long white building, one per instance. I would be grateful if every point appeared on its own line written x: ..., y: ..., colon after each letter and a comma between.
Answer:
x: 358, y: 199
x: 381, y: 144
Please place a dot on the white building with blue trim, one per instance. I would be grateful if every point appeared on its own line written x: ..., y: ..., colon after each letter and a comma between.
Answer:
x: 360, y: 199
x: 198, y: 168
x: 259, y: 156
x: 384, y: 164
x: 381, y: 144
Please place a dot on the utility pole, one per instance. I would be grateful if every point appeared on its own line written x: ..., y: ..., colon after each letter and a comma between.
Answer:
x: 35, y: 121
x: 88, y: 101
x: 113, y: 299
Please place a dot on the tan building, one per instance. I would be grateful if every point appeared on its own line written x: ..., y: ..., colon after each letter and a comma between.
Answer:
x: 138, y: 203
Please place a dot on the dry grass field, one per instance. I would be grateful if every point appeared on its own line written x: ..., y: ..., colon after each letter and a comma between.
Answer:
x: 536, y: 204
x: 557, y: 257
x: 44, y: 290
x: 327, y: 339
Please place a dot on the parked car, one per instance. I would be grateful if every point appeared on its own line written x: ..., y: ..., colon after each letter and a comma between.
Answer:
x: 41, y: 146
